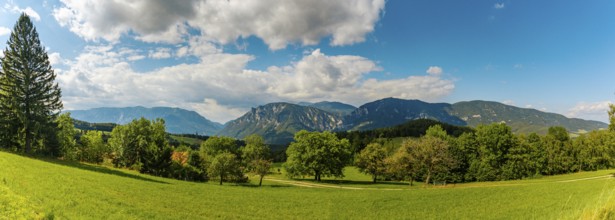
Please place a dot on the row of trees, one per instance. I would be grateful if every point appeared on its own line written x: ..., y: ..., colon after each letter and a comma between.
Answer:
x: 491, y: 152
x: 143, y: 145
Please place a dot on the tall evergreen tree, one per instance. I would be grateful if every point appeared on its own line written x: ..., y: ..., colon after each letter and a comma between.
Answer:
x: 29, y: 96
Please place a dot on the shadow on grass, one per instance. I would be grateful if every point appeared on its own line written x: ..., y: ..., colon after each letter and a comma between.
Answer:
x: 355, y: 182
x: 254, y: 185
x: 98, y: 169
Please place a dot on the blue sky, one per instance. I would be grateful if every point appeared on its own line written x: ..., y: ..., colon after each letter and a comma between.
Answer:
x: 220, y: 58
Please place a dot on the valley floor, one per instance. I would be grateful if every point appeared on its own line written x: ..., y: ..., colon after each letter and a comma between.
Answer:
x: 39, y: 188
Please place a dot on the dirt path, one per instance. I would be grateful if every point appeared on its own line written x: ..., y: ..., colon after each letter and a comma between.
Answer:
x: 315, y: 185
x: 589, y: 178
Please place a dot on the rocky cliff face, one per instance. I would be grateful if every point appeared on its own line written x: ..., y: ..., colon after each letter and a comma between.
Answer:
x: 278, y: 122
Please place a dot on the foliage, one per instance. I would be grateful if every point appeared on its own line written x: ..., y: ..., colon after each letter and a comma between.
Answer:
x: 261, y: 168
x: 141, y: 145
x: 29, y: 96
x: 414, y: 128
x: 66, y: 137
x: 255, y: 155
x: 492, y: 145
x: 371, y: 160
x: 430, y: 156
x: 226, y: 166
x: 93, y: 149
x: 318, y: 154
x: 217, y: 145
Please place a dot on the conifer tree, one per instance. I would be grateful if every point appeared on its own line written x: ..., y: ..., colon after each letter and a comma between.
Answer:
x: 29, y: 96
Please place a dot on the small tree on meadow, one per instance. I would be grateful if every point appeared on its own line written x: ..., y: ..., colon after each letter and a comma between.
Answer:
x: 224, y: 165
x: 255, y: 155
x: 318, y: 154
x: 371, y: 160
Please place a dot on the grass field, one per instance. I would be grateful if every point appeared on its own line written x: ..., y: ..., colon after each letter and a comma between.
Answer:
x: 42, y: 188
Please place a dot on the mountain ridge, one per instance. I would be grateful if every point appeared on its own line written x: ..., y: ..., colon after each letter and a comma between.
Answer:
x: 177, y: 120
x: 277, y: 122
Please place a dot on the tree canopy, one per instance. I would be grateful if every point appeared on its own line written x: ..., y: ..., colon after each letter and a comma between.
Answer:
x: 317, y: 153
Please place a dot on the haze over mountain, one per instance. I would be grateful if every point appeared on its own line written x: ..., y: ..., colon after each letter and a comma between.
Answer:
x: 178, y: 121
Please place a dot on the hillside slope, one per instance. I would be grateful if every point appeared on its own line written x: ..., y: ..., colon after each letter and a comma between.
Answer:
x: 278, y: 122
x: 47, y: 189
x: 178, y: 121
x: 521, y: 120
x: 337, y: 108
x: 391, y: 111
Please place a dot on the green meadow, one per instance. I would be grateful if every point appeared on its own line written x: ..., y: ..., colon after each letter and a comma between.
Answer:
x: 33, y: 188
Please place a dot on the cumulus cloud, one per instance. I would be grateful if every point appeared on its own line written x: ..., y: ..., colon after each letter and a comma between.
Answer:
x: 4, y: 31
x: 160, y: 53
x: 277, y: 23
x: 221, y: 88
x: 11, y: 6
x: 498, y: 6
x: 434, y: 70
x: 592, y: 110
x: 55, y: 58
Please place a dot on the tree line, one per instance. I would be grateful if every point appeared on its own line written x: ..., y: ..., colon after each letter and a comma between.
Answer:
x: 143, y: 145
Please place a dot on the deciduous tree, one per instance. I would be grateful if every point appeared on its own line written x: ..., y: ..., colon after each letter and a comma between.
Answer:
x: 224, y: 165
x: 255, y: 155
x: 66, y: 137
x: 371, y: 160
x: 318, y: 154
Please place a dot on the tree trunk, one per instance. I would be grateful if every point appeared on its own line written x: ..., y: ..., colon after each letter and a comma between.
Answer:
x: 28, y: 139
x: 375, y: 177
x: 27, y: 123
x: 221, y: 178
x: 260, y: 182
x: 427, y: 179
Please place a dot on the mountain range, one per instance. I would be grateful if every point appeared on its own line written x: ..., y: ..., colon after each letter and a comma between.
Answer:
x: 177, y: 120
x: 277, y: 122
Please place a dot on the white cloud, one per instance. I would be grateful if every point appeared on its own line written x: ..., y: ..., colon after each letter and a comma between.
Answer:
x: 277, y: 23
x: 434, y: 70
x: 498, y: 6
x: 221, y: 88
x: 29, y: 11
x: 4, y: 31
x: 593, y: 111
x: 160, y: 53
x: 210, y: 108
x: 55, y: 58
x: 509, y: 102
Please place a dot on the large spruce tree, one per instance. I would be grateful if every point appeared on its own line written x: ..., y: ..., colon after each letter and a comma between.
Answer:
x: 29, y: 96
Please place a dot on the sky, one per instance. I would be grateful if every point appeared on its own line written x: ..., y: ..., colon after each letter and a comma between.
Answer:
x: 222, y: 57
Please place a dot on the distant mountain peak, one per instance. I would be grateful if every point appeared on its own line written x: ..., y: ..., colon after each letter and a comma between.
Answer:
x: 177, y: 120
x: 277, y: 122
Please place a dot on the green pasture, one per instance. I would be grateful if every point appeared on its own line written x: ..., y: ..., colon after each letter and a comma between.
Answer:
x: 33, y: 188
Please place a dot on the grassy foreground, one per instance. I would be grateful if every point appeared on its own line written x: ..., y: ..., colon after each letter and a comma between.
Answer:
x: 34, y: 188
